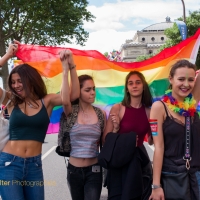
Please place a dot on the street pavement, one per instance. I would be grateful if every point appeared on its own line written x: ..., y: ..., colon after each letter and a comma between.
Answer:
x: 54, y: 169
x: 55, y: 172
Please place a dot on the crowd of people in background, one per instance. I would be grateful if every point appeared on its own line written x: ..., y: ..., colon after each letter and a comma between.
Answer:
x: 99, y: 143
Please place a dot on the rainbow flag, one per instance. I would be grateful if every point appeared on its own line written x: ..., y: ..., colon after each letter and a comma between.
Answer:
x: 109, y: 76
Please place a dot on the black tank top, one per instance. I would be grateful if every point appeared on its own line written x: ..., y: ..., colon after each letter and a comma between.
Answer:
x: 174, y: 141
x: 23, y: 127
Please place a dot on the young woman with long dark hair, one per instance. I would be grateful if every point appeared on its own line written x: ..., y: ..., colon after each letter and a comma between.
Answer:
x: 29, y: 110
x: 84, y: 175
x: 131, y: 115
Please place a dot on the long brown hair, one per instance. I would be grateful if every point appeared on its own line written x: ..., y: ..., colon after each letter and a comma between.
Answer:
x: 180, y: 64
x: 146, y: 94
x: 32, y: 82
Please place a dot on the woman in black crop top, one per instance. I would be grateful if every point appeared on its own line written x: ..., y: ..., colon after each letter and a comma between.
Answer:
x: 169, y: 138
x: 30, y: 109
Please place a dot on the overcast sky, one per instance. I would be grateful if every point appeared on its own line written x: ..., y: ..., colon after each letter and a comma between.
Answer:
x: 118, y: 20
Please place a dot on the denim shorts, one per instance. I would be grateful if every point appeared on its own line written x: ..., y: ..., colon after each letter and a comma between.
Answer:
x: 21, y: 178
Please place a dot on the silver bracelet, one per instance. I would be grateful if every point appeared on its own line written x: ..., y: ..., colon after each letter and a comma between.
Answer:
x: 156, y: 186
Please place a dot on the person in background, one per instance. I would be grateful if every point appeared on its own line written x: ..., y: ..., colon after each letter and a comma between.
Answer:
x: 179, y: 101
x: 29, y: 110
x: 84, y: 175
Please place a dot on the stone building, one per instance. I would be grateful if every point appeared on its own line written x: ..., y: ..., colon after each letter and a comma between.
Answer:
x: 146, y: 41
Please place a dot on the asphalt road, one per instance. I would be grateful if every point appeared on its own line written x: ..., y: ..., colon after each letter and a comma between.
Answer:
x: 55, y: 172
x: 54, y: 169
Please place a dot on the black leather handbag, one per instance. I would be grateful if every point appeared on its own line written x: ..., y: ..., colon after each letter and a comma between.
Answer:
x: 176, y: 186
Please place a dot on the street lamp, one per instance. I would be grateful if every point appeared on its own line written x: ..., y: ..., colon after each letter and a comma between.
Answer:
x: 184, y: 18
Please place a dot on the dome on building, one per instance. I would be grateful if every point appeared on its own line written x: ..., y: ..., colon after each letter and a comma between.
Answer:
x: 159, y: 26
x: 145, y: 42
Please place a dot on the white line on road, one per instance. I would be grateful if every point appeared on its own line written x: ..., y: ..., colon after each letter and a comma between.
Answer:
x: 48, y: 152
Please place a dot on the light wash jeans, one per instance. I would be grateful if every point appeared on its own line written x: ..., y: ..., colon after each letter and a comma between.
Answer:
x: 21, y: 178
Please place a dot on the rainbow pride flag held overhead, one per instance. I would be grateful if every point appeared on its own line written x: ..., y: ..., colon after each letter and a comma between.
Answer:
x: 109, y: 76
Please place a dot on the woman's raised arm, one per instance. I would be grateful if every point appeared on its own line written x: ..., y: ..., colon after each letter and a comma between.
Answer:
x: 12, y: 49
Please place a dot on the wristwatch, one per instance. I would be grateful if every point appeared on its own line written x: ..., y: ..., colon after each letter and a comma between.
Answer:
x: 155, y: 186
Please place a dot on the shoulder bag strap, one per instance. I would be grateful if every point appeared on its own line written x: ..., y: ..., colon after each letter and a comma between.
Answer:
x: 71, y: 118
x: 70, y: 121
x: 100, y: 116
x: 187, y: 157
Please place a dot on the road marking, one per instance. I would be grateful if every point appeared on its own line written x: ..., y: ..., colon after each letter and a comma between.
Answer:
x: 48, y: 152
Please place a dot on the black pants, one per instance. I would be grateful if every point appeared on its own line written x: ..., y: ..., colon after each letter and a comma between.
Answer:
x: 119, y: 198
x: 83, y: 183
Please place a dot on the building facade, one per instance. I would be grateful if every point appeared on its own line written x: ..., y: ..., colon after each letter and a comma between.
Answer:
x: 146, y: 41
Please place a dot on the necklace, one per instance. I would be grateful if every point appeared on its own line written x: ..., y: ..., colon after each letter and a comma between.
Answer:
x: 185, y: 108
x: 30, y: 105
x: 86, y: 117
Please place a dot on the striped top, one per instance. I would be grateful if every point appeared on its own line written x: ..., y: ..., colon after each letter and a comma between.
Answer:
x: 85, y: 140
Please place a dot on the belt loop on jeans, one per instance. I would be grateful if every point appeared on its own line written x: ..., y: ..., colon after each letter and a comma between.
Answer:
x: 13, y: 158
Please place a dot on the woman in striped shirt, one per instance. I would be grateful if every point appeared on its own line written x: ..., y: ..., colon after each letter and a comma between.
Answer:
x: 84, y: 175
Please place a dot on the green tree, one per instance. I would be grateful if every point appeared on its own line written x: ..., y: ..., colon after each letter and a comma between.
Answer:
x: 143, y: 57
x: 193, y: 23
x: 43, y: 22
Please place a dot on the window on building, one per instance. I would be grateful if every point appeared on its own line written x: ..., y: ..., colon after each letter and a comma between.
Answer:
x: 162, y: 38
x: 153, y: 38
x: 143, y: 39
x: 150, y: 51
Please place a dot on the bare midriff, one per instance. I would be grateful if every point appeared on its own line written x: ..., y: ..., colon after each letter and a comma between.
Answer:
x: 23, y: 148
x: 82, y: 162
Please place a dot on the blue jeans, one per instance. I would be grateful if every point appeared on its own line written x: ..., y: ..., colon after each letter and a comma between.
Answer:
x: 198, y: 180
x: 83, y: 183
x: 21, y: 178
